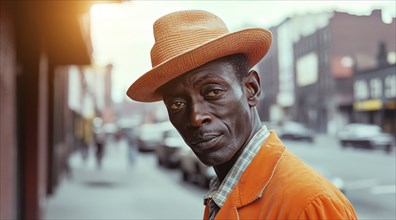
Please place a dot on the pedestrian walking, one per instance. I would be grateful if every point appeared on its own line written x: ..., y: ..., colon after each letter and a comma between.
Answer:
x: 100, y: 141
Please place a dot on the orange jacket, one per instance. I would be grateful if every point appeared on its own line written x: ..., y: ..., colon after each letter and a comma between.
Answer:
x: 278, y: 185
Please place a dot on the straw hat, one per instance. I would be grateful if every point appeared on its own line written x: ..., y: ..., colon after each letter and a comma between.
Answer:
x: 185, y: 40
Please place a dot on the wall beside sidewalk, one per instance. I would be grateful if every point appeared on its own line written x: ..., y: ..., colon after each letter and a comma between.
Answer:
x: 7, y: 112
x: 35, y: 38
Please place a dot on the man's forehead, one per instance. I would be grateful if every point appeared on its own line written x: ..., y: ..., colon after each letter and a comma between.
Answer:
x: 214, y: 69
x: 220, y: 69
x: 222, y: 73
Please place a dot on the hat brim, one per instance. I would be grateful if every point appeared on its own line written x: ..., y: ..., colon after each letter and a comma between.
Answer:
x: 253, y: 43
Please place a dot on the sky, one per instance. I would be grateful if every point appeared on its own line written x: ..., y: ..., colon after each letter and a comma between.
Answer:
x: 122, y: 33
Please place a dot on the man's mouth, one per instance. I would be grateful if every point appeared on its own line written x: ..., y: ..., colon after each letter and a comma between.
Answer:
x: 205, y: 142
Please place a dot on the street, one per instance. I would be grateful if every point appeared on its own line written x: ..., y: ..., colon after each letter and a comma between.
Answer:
x: 143, y: 190
x: 369, y: 175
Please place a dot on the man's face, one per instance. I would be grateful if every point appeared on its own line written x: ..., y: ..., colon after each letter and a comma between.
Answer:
x: 209, y: 108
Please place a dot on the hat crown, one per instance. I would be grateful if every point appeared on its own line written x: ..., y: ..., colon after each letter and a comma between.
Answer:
x: 179, y: 32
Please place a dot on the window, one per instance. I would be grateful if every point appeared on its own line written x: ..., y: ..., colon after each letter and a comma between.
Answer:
x: 390, y: 86
x: 360, y: 90
x: 376, y: 88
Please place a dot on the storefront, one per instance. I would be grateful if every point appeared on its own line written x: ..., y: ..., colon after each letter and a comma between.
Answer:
x: 375, y: 97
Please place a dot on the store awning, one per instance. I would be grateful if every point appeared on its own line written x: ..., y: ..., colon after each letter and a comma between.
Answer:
x: 368, y: 105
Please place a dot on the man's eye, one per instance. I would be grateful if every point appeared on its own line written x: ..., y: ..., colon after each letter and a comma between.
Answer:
x: 176, y: 106
x: 214, y: 93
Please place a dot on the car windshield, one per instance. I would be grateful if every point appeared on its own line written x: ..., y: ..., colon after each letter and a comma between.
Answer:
x: 293, y: 126
x: 363, y: 129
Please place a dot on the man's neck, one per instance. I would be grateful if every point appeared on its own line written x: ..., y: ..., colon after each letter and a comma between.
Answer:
x: 223, y: 169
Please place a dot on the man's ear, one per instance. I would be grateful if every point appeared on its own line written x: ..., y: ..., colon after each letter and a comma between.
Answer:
x: 252, y: 88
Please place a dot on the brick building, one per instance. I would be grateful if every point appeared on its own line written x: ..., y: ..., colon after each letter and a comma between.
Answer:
x: 269, y: 69
x: 323, y: 50
x: 375, y: 94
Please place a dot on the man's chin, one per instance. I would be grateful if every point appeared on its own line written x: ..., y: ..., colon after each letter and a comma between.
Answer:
x: 212, y: 160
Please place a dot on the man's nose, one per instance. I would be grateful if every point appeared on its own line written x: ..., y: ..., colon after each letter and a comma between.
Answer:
x: 199, y: 115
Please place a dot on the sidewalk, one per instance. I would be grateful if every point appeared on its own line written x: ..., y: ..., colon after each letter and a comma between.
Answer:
x: 122, y: 191
x: 93, y: 193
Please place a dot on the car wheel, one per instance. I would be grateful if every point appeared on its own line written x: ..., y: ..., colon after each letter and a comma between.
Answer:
x: 388, y: 149
x: 185, y: 176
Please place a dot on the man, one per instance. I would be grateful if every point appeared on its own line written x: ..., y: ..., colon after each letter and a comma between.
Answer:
x: 202, y: 73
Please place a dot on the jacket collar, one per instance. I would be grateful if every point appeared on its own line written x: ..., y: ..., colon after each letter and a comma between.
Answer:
x: 256, y: 177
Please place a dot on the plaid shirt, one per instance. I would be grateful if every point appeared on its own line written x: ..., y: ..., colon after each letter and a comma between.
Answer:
x: 218, y: 191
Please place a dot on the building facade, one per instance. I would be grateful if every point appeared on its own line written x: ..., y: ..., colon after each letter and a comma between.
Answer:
x: 277, y: 69
x: 375, y: 94
x: 38, y: 41
x: 325, y: 49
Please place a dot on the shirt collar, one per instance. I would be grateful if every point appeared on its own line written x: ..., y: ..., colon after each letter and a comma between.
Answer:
x: 219, y: 191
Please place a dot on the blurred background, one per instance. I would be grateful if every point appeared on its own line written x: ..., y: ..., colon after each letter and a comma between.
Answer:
x: 73, y: 146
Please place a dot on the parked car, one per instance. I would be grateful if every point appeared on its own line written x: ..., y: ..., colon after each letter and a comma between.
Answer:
x: 193, y: 170
x: 296, y: 131
x: 168, y: 153
x: 150, y: 136
x: 365, y: 136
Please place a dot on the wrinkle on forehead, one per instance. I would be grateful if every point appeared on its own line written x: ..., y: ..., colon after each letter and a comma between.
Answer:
x: 198, y: 75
